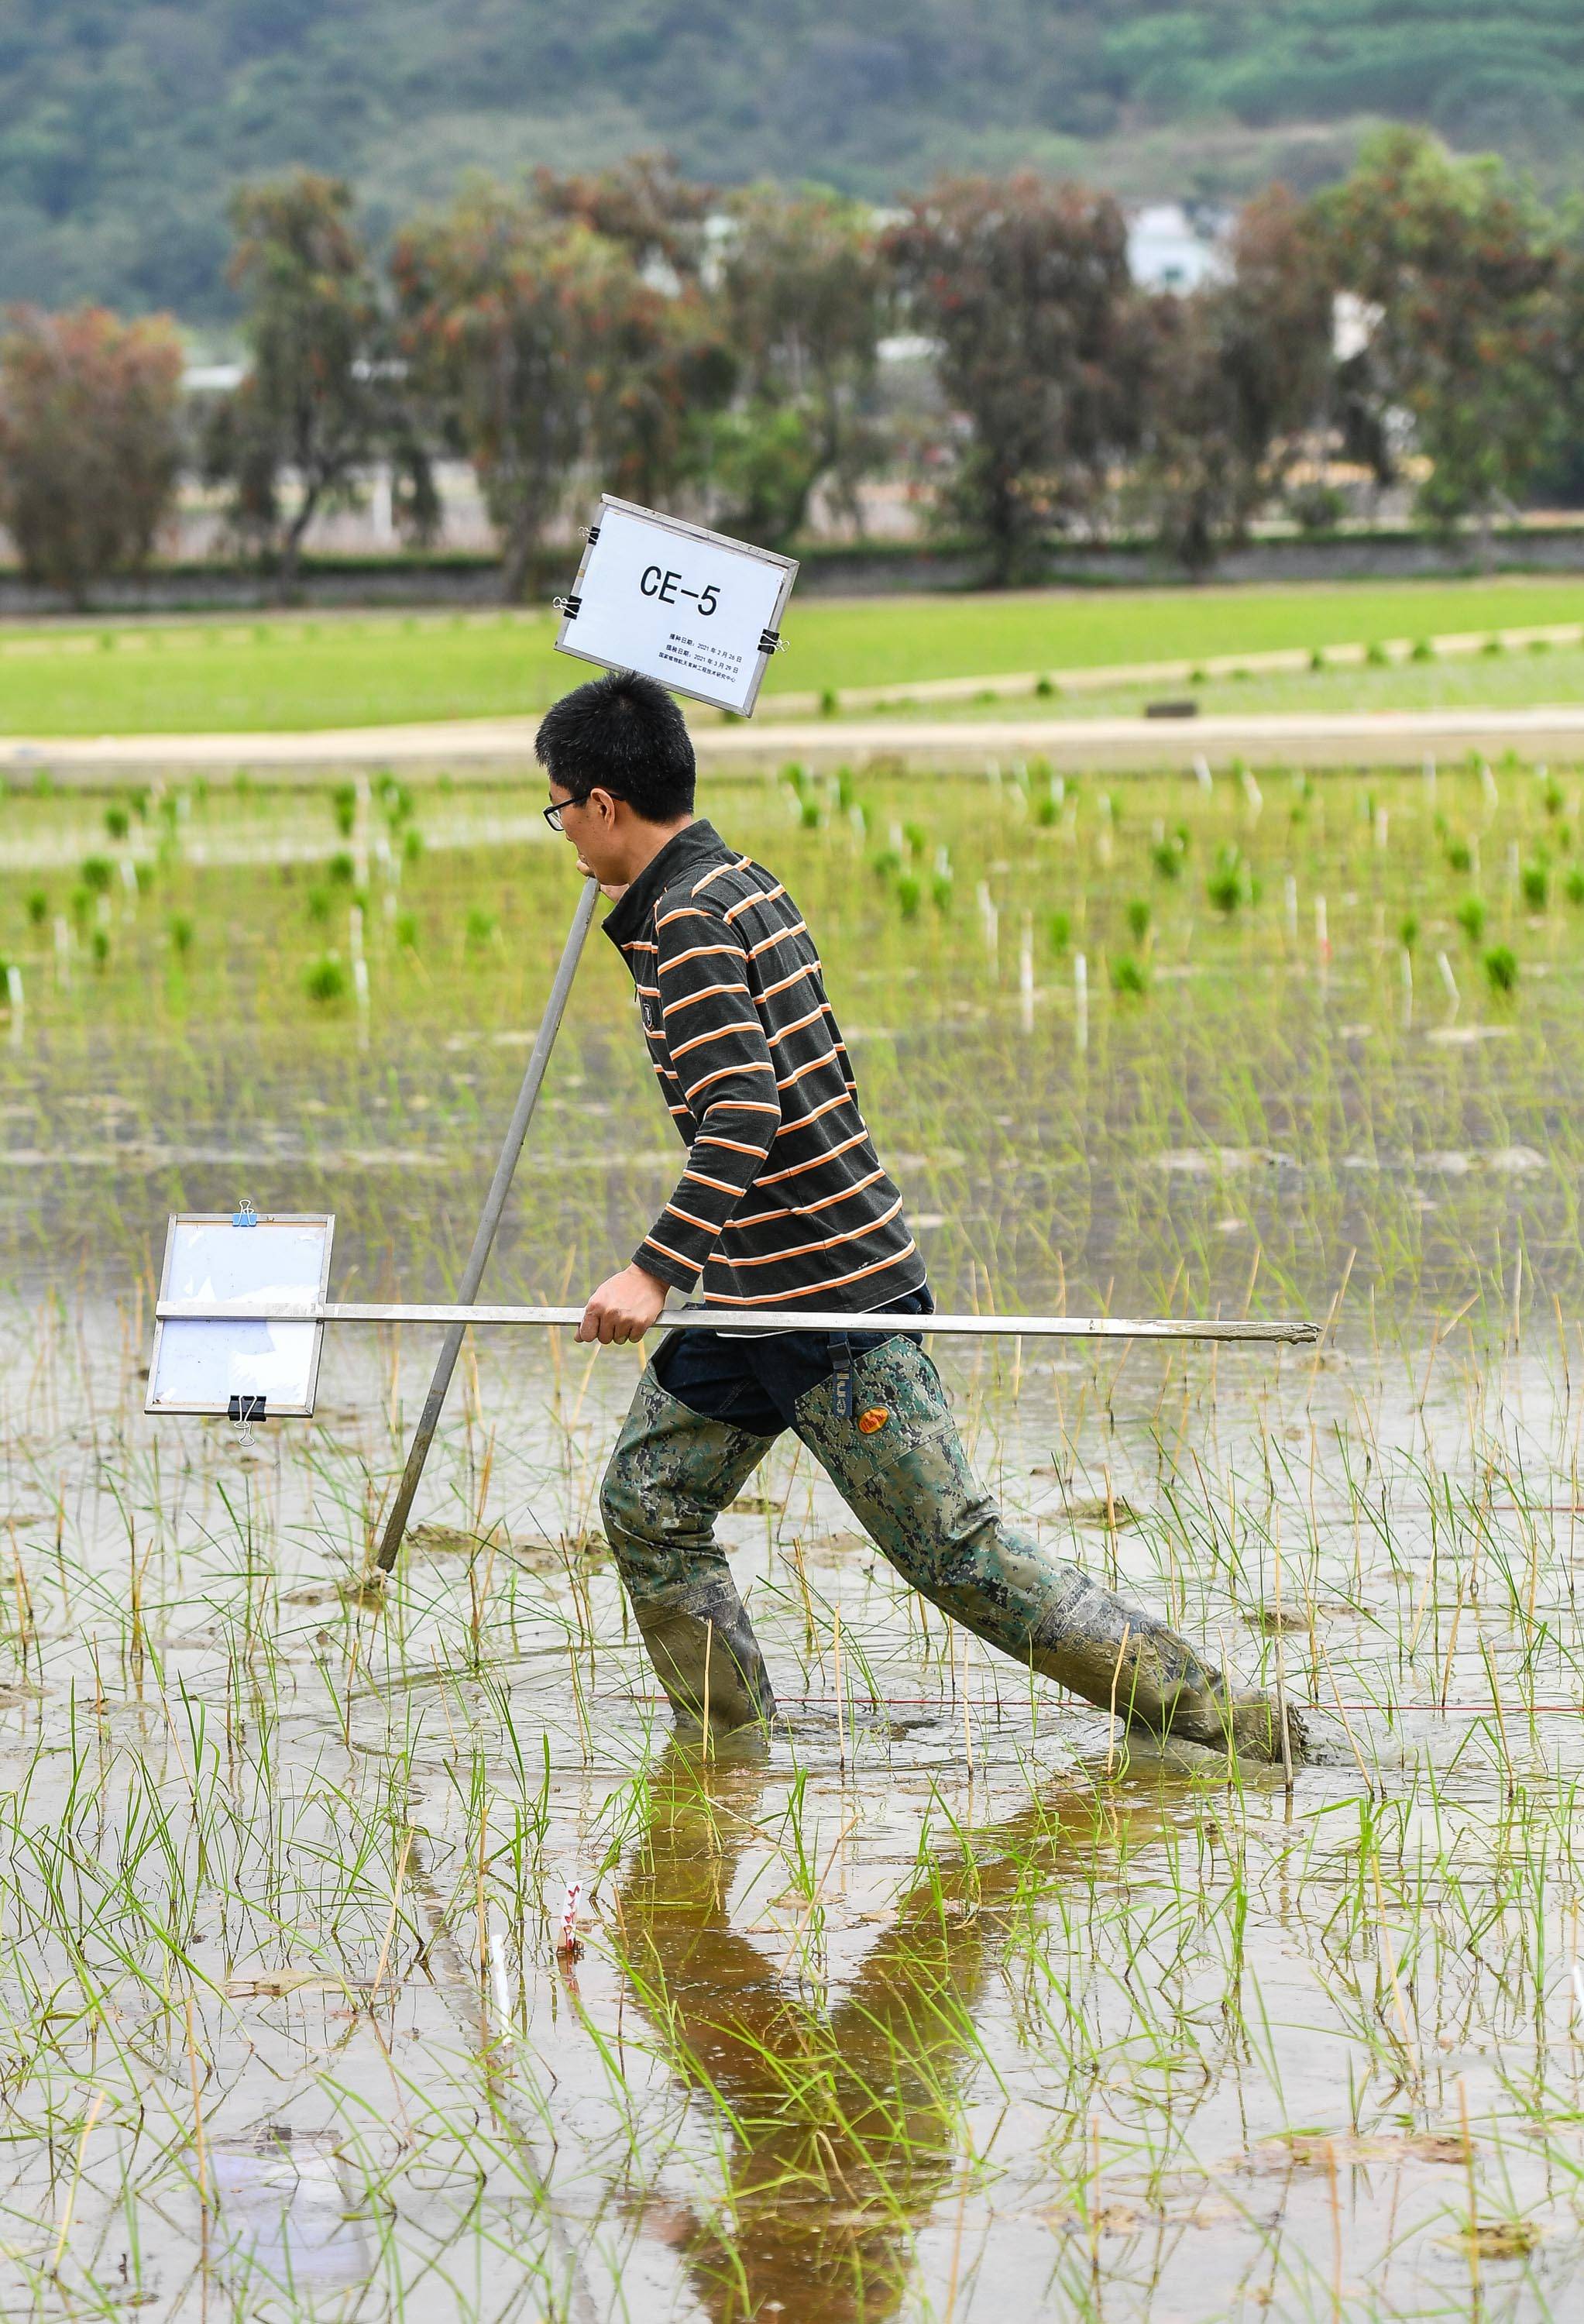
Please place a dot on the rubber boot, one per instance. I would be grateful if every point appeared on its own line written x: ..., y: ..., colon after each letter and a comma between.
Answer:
x: 899, y: 1465
x: 670, y: 1475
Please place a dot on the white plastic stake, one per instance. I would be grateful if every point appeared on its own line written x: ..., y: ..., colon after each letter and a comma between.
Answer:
x: 360, y: 967
x: 360, y: 830
x: 990, y: 921
x: 566, y: 1943
x: 502, y: 1991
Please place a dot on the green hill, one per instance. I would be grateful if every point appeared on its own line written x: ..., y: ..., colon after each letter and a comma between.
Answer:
x: 123, y: 122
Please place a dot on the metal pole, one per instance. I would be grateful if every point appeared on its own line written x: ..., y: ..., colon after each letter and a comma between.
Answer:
x: 494, y: 1203
x: 752, y: 1320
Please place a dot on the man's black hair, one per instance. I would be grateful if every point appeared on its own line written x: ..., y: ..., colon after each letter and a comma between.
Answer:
x: 623, y: 733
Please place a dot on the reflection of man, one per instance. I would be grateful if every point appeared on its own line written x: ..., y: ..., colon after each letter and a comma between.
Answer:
x: 783, y: 1202
x: 842, y: 2126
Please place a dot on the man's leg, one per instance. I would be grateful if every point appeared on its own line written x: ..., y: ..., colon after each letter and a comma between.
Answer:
x: 672, y: 1472
x: 899, y: 1464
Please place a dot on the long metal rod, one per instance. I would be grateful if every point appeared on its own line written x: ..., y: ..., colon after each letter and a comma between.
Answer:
x: 457, y: 1315
x: 749, y: 1319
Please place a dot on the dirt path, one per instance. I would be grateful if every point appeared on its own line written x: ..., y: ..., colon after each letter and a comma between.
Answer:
x: 1382, y: 738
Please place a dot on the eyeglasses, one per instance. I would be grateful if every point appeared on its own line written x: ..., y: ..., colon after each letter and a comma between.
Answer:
x: 552, y: 814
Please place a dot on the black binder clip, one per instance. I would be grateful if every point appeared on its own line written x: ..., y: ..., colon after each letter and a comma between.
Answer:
x: 570, y: 606
x: 841, y: 1376
x: 769, y: 642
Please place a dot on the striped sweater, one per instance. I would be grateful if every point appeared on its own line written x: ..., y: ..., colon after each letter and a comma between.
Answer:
x: 783, y: 1198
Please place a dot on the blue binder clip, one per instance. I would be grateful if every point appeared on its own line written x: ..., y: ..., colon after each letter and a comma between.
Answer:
x: 245, y: 1215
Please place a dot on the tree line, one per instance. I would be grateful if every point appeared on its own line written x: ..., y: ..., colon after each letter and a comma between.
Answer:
x: 123, y: 123
x: 633, y: 331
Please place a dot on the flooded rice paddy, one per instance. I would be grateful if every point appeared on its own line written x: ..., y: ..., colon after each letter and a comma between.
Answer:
x: 949, y: 2002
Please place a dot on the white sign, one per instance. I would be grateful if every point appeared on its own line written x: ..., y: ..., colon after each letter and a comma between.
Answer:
x: 200, y: 1367
x: 689, y: 607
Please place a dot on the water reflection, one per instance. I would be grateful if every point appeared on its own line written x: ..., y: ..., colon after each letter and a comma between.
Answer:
x: 287, y: 2215
x: 842, y: 2123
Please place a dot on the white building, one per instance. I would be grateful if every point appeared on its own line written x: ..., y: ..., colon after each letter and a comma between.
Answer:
x: 1169, y: 250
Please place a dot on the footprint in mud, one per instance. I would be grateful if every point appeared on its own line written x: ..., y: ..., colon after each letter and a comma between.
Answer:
x: 534, y: 1551
x: 1274, y: 1624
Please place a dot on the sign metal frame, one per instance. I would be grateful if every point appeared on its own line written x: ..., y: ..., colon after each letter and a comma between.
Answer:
x: 311, y: 1311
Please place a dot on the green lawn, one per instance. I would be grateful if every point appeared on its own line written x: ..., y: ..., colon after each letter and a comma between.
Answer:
x: 1516, y: 679
x: 300, y: 671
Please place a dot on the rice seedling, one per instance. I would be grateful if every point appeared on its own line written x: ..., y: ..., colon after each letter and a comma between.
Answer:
x: 953, y: 1998
x: 325, y: 980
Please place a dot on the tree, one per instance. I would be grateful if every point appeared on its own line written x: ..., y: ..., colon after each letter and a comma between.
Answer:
x: 547, y: 357
x: 806, y: 289
x: 657, y: 215
x: 1559, y: 478
x: 321, y: 400
x: 89, y: 440
x: 1242, y: 370
x: 1455, y: 264
x: 1044, y: 348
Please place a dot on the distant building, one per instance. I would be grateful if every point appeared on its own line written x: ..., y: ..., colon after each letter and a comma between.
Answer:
x: 1169, y: 249
x: 212, y: 378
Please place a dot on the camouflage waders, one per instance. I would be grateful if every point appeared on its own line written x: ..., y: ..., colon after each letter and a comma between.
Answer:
x: 670, y: 1477
x: 899, y: 1465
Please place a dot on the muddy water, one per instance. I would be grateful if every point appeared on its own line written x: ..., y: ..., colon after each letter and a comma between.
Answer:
x: 948, y: 1999
x: 951, y: 2001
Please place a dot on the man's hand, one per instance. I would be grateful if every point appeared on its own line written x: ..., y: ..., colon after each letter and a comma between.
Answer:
x: 623, y: 1308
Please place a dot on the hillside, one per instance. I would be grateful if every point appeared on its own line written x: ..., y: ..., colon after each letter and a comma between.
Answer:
x: 123, y: 122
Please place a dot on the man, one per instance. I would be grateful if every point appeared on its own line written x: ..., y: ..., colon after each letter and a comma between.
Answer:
x: 784, y: 1202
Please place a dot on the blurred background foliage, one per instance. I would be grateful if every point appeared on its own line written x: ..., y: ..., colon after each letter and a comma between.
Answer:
x: 124, y: 124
